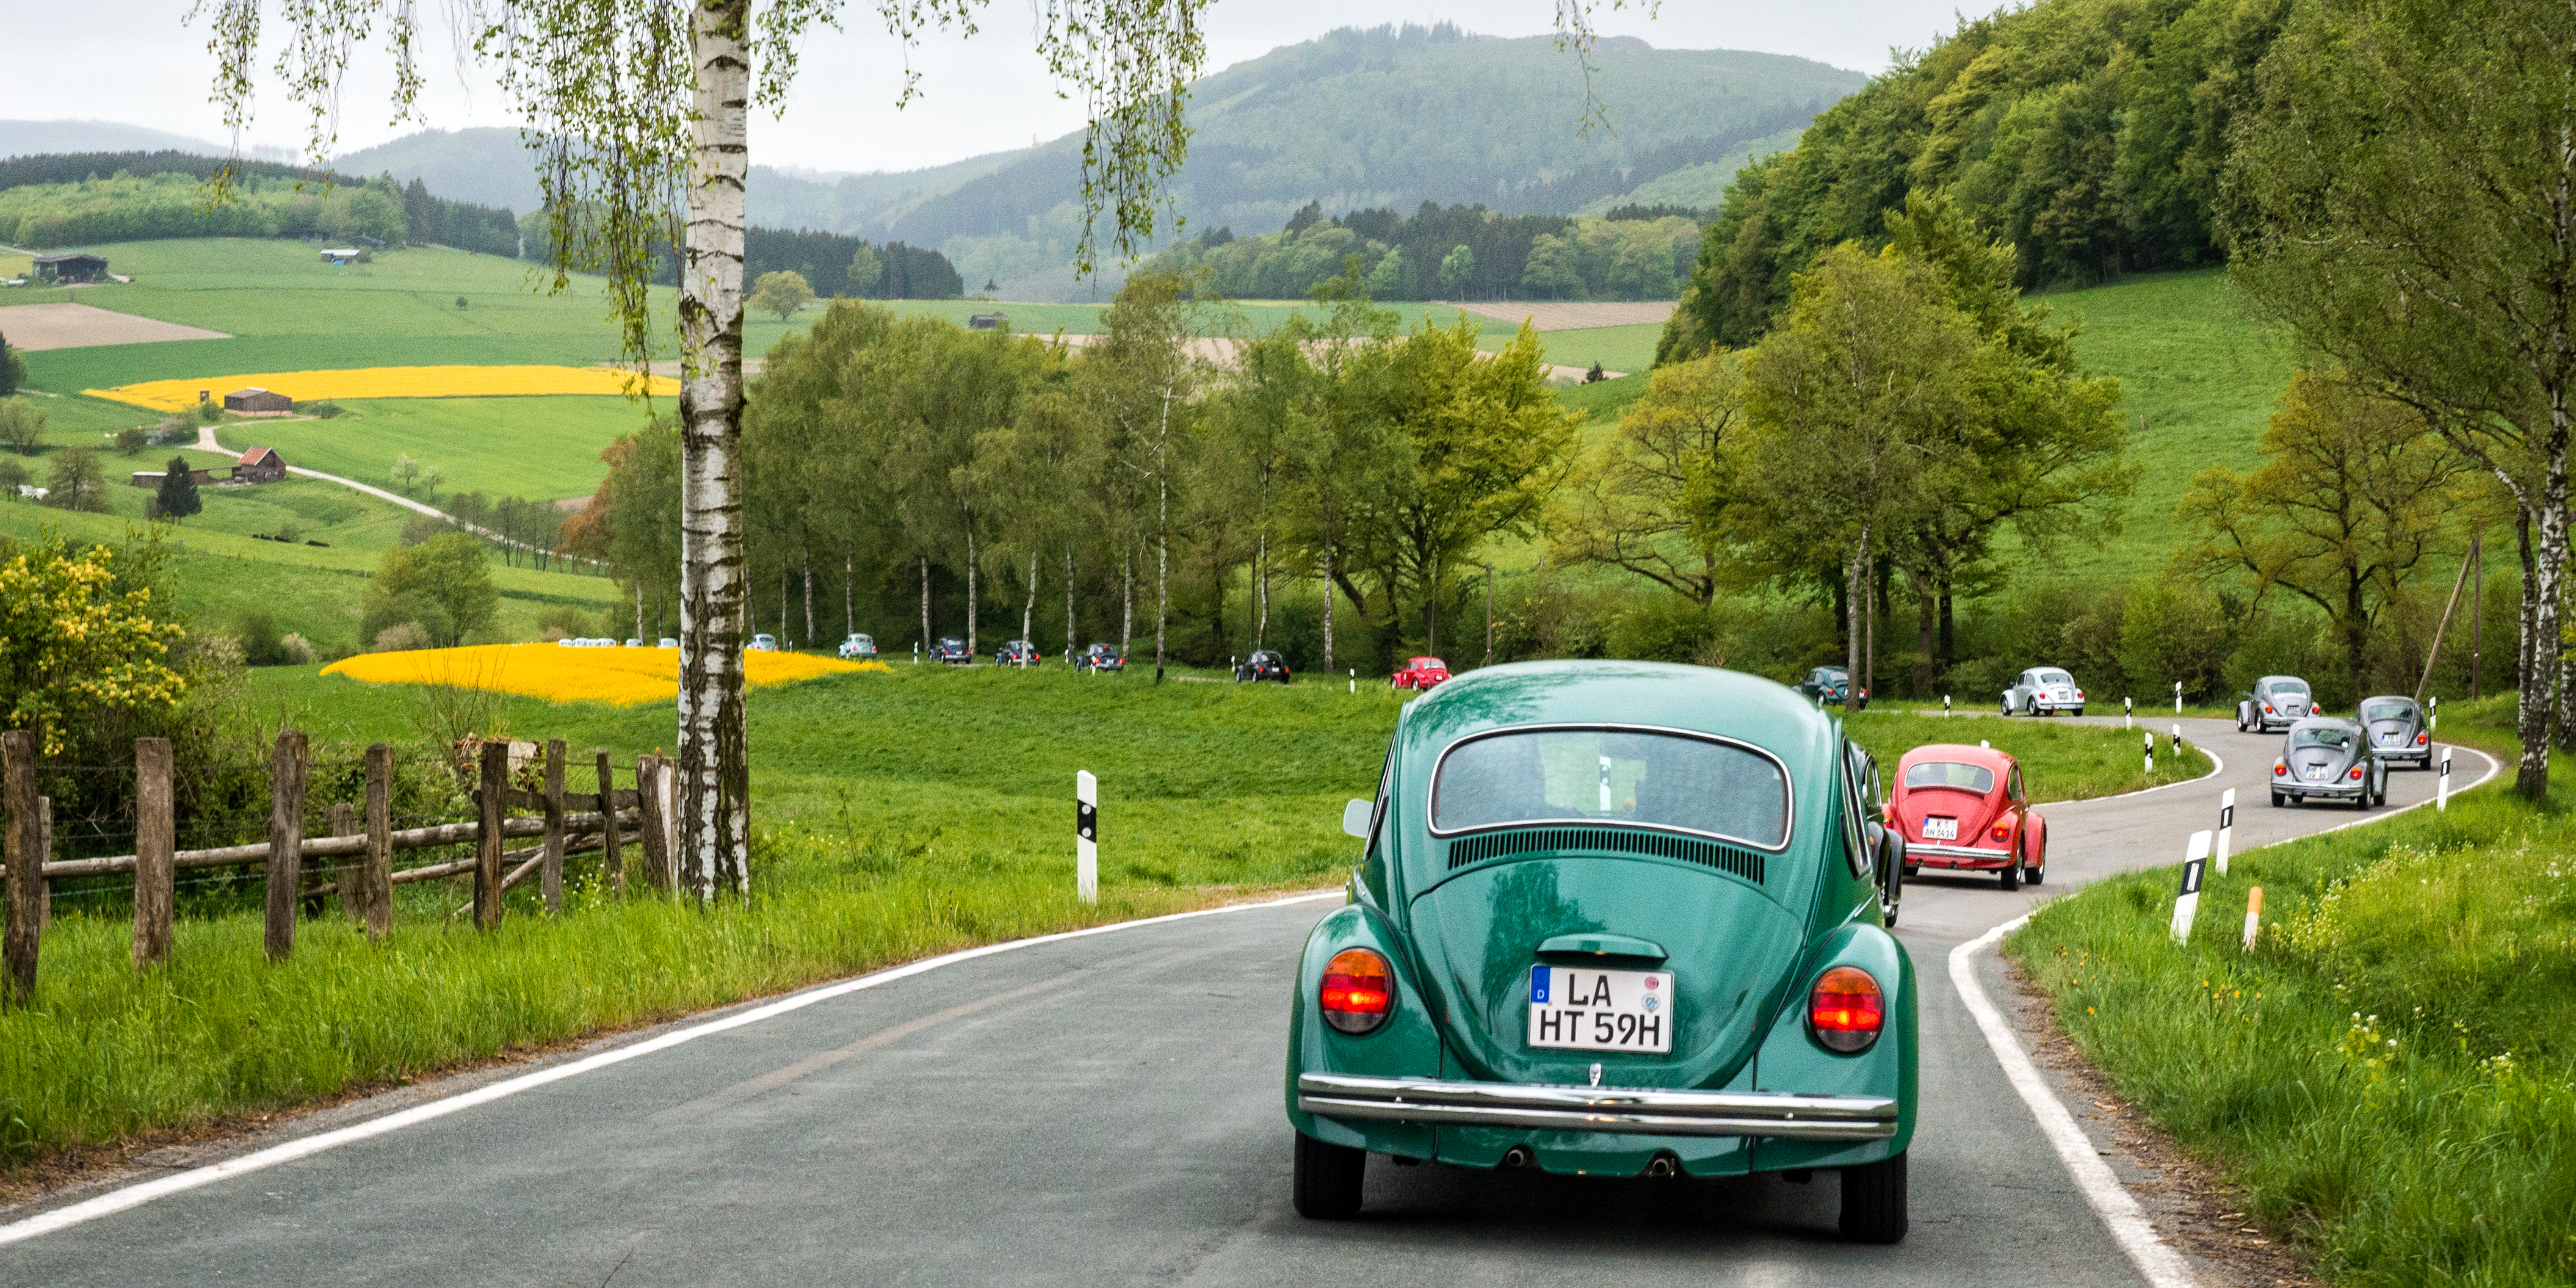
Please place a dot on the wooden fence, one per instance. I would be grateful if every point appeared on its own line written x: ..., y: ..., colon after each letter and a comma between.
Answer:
x: 609, y: 820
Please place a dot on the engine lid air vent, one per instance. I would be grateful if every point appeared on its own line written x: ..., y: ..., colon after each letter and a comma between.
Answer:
x: 1485, y: 846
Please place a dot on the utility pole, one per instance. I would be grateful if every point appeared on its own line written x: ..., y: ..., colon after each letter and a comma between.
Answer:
x: 1489, y: 612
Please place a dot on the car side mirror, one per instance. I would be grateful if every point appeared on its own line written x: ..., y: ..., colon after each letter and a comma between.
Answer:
x: 1355, y: 818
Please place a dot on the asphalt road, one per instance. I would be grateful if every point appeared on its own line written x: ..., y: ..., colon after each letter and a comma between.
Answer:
x: 1107, y: 1110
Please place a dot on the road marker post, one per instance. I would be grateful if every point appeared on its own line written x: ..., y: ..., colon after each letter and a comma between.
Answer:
x: 2187, y: 902
x: 2434, y: 723
x: 1086, y: 834
x: 2177, y: 697
x: 2177, y: 746
x: 2128, y: 709
x: 1355, y: 679
x: 2226, y: 825
x: 2253, y: 915
x: 2442, y: 785
x: 2151, y: 753
x: 1945, y: 706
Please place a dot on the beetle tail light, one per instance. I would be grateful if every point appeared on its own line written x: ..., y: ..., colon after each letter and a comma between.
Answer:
x: 1358, y: 992
x: 2356, y: 772
x: 2079, y: 695
x: 2001, y: 832
x: 2280, y: 769
x: 2421, y: 739
x: 1846, y: 1010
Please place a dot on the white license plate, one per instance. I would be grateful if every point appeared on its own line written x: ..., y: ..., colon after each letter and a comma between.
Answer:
x: 2316, y: 772
x: 1940, y: 829
x: 1583, y: 1009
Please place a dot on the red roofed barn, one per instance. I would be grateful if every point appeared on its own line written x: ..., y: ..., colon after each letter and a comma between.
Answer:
x: 260, y: 465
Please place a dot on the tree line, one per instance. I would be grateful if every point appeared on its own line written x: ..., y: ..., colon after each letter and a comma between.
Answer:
x: 1454, y: 252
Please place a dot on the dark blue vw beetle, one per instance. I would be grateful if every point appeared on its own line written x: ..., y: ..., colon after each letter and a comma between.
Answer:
x: 1619, y: 919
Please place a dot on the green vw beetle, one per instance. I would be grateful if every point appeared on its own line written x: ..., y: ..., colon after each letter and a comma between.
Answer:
x: 1617, y: 919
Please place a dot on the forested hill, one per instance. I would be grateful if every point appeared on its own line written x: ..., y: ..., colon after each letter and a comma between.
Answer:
x: 2089, y: 134
x: 1385, y: 118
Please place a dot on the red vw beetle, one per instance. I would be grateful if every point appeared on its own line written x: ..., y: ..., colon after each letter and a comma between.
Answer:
x: 1421, y: 673
x: 1963, y: 808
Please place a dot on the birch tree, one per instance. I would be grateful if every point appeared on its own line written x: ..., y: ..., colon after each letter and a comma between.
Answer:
x: 1145, y: 375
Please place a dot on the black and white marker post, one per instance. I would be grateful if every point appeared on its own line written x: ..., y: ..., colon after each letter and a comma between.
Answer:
x: 2128, y: 709
x: 2151, y: 753
x: 1086, y: 832
x: 2187, y: 903
x: 2226, y: 825
x: 2177, y: 697
x: 2177, y: 746
x: 2442, y: 785
x: 1945, y: 706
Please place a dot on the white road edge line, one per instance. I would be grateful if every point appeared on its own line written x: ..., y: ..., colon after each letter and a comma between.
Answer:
x: 2156, y: 1260
x: 144, y: 1192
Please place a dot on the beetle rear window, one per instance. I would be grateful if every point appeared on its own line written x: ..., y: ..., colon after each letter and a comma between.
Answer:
x: 2387, y: 709
x: 2335, y: 736
x: 2053, y: 677
x: 1612, y: 776
x: 1950, y: 773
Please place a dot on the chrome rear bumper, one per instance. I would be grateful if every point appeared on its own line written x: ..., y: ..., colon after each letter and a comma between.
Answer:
x: 1629, y: 1110
x: 1914, y: 848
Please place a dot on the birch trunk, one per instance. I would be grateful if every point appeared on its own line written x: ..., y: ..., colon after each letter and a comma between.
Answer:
x: 808, y: 555
x: 714, y: 769
x: 1070, y: 643
x: 639, y: 611
x: 1029, y: 610
x: 1852, y: 626
x: 1261, y: 592
x: 925, y: 603
x: 2540, y: 676
x: 849, y: 612
x: 1126, y: 600
x: 1328, y: 582
x: 971, y: 615
x: 1162, y: 530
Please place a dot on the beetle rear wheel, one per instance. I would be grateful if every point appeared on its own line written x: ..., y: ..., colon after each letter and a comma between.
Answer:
x: 1874, y: 1201
x: 1327, y: 1181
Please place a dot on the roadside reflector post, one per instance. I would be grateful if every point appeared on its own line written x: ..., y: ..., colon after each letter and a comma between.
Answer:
x: 1086, y: 832
x: 2128, y: 710
x: 2442, y: 785
x: 2177, y: 697
x: 2177, y: 746
x: 2151, y: 751
x: 1355, y: 679
x: 2187, y: 903
x: 2433, y: 721
x: 2253, y: 915
x: 2226, y: 825
x: 1945, y: 706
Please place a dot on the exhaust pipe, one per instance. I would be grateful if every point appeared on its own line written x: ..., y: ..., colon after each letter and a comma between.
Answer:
x: 1519, y: 1156
x: 1664, y: 1164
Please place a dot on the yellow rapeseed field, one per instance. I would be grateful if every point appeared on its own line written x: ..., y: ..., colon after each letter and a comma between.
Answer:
x: 619, y: 676
x: 389, y: 382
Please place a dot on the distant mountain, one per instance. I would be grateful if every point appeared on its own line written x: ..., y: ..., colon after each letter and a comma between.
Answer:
x: 486, y: 165
x: 35, y: 138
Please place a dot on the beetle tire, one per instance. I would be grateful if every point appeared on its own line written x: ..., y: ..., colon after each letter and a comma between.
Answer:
x: 1326, y: 1181
x: 2012, y: 876
x: 1874, y: 1202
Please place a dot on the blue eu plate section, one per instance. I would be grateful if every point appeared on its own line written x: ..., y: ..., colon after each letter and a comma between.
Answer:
x: 1538, y: 985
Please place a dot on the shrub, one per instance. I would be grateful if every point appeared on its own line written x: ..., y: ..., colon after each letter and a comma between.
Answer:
x: 1665, y: 628
x: 295, y: 650
x: 133, y: 440
x: 401, y: 637
x: 12, y: 477
x: 559, y: 621
x: 77, y: 481
x: 2174, y: 629
x: 260, y: 642
x: 22, y: 427
x: 326, y: 409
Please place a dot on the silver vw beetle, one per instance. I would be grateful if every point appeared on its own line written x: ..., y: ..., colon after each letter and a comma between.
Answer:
x: 2277, y: 702
x: 2043, y: 690
x: 2397, y: 730
x: 2329, y: 760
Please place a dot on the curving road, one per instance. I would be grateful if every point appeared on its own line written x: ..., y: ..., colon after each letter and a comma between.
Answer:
x: 1106, y: 1109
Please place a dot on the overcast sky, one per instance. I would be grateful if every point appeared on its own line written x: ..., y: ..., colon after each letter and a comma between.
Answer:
x: 140, y: 62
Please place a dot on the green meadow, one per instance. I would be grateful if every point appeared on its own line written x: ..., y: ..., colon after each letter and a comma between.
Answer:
x: 537, y: 448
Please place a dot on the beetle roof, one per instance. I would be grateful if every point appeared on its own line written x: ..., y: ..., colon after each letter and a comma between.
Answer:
x: 1694, y: 698
x: 1992, y: 759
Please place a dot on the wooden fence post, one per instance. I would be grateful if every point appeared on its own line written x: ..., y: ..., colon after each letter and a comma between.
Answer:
x: 648, y: 797
x: 488, y: 803
x: 26, y: 865
x: 285, y: 841
x: 18, y: 937
x: 44, y: 855
x: 550, y: 876
x: 375, y: 878
x: 612, y: 853
x: 155, y: 838
x: 344, y: 822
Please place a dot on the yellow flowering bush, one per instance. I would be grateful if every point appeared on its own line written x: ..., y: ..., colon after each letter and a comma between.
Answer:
x: 391, y: 382
x: 618, y: 676
x: 79, y: 635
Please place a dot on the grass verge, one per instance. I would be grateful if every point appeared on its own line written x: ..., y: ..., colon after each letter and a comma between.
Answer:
x: 2059, y: 761
x: 2390, y: 1075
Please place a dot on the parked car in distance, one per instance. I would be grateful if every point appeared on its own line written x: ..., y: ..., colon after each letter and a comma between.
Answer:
x: 1423, y: 673
x: 2277, y: 702
x: 2043, y: 691
x: 2398, y: 731
x: 856, y: 645
x: 1830, y: 685
x: 1591, y: 899
x: 764, y: 643
x: 1264, y: 664
x: 1962, y: 809
x: 668, y: 642
x: 2330, y: 760
x: 634, y: 643
x: 1017, y: 653
x: 1100, y: 657
x: 952, y: 651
